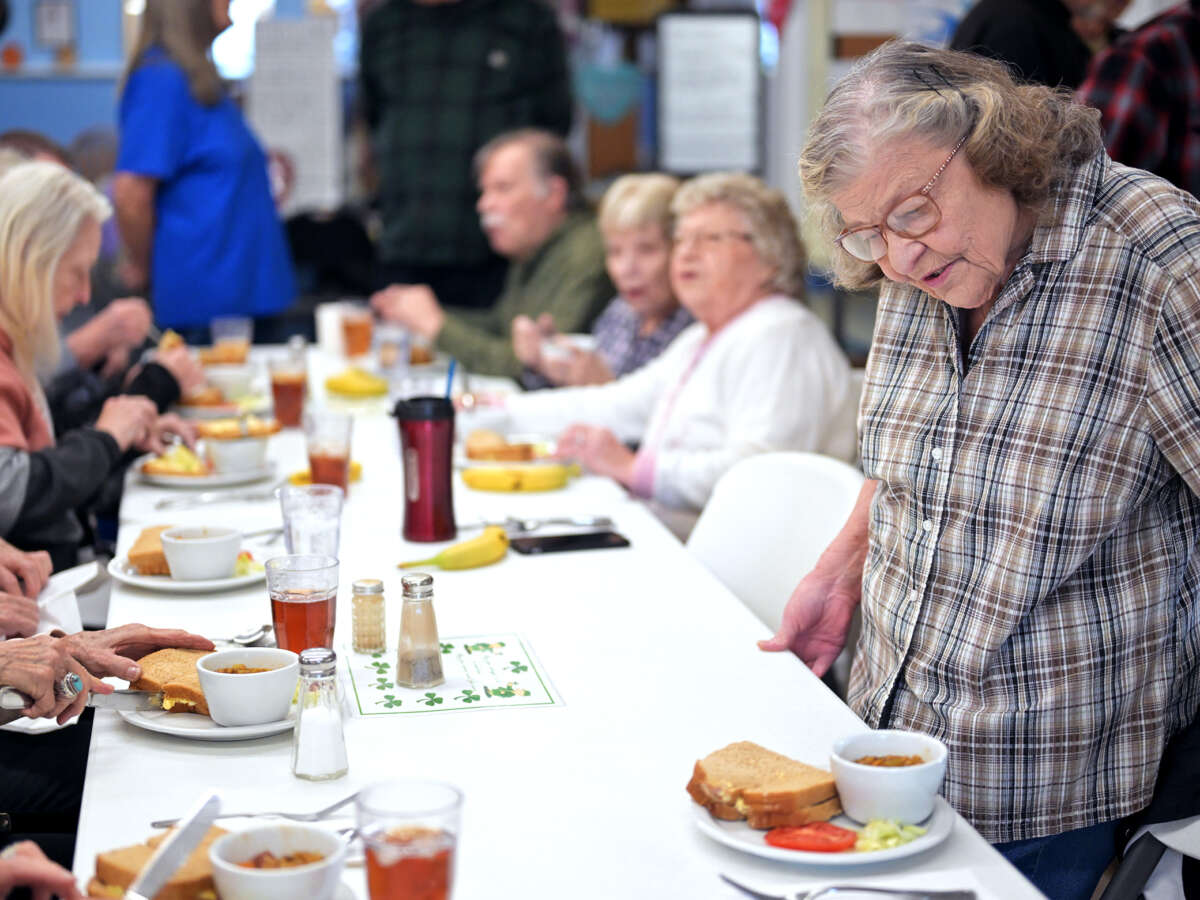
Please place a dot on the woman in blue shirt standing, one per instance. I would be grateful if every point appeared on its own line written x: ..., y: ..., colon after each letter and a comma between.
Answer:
x: 191, y: 191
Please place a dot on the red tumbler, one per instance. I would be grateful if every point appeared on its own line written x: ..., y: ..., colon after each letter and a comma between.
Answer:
x: 426, y: 448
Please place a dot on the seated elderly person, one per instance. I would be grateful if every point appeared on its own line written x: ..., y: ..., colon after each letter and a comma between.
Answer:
x: 532, y: 209
x: 49, y: 237
x: 756, y: 372
x: 644, y: 317
x: 1025, y: 550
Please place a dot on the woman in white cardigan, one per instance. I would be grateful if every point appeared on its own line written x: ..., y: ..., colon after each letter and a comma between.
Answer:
x: 757, y: 371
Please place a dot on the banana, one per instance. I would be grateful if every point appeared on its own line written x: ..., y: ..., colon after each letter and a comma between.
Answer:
x: 489, y: 547
x: 518, y: 478
x: 356, y: 383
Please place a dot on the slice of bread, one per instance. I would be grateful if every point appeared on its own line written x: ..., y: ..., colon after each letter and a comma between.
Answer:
x: 746, y: 781
x: 173, y: 671
x: 116, y: 870
x: 484, y: 444
x: 146, y: 555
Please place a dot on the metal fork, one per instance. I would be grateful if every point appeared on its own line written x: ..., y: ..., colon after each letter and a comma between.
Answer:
x: 217, y: 497
x: 834, y: 892
x: 295, y: 817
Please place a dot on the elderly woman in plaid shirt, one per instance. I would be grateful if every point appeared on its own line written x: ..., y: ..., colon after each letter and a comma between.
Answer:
x: 1025, y: 547
x: 644, y: 317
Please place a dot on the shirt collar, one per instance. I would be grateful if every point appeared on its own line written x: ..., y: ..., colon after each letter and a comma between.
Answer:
x: 1062, y: 226
x: 526, y: 267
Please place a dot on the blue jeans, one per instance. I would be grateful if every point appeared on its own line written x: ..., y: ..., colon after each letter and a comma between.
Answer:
x: 1065, y: 866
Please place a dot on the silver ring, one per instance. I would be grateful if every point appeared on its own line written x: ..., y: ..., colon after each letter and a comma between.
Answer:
x: 68, y: 686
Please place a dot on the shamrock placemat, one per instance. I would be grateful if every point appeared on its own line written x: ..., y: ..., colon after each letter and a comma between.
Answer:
x: 481, y: 672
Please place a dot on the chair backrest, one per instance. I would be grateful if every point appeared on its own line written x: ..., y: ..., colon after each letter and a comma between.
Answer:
x: 769, y: 518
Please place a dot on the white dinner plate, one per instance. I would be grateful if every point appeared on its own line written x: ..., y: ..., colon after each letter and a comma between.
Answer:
x: 119, y: 568
x: 199, y: 728
x: 251, y: 404
x: 741, y: 836
x: 216, y: 479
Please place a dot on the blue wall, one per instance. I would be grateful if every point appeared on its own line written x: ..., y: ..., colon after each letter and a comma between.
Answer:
x: 61, y: 105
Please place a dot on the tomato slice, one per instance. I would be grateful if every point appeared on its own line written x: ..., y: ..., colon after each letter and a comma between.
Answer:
x: 816, y: 837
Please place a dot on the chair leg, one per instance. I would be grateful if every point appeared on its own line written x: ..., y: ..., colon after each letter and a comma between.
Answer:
x: 1135, y: 869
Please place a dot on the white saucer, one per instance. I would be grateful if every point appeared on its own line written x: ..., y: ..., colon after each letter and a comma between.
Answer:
x: 119, y: 568
x: 741, y: 836
x: 200, y: 728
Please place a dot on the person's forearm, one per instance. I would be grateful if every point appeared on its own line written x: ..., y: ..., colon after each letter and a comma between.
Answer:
x: 133, y: 201
x: 90, y: 342
x: 849, y: 548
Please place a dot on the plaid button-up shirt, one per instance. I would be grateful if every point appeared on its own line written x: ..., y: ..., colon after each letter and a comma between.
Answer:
x: 1030, y: 588
x: 438, y: 82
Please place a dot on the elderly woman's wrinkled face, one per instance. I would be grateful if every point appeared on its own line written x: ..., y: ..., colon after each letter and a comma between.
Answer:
x: 716, y: 271
x: 638, y: 261
x: 969, y: 254
x: 73, y: 278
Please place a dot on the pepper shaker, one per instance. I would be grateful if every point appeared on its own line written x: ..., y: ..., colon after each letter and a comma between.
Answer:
x: 419, y: 653
x: 318, y: 744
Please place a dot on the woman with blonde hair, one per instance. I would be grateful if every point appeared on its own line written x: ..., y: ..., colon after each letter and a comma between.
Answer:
x: 191, y: 192
x: 756, y: 372
x: 49, y: 239
x: 644, y: 317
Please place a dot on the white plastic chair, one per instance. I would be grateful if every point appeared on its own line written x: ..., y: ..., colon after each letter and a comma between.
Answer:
x: 769, y: 518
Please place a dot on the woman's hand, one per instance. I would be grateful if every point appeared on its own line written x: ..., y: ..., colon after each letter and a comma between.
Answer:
x: 183, y: 366
x: 113, y: 650
x: 18, y: 616
x: 599, y: 450
x: 128, y: 419
x: 34, y: 666
x: 580, y: 368
x: 158, y: 437
x: 527, y: 342
x: 24, y: 865
x: 21, y: 572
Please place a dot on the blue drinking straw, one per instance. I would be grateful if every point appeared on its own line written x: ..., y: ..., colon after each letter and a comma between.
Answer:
x: 450, y: 376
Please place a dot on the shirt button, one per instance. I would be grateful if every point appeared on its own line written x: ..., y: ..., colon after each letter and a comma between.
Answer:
x: 914, y: 596
x: 936, y: 453
x: 927, y: 524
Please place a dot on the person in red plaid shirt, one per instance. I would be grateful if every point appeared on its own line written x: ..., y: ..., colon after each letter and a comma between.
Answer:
x: 1147, y: 88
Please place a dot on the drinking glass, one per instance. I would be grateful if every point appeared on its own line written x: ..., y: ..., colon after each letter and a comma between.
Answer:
x: 410, y: 830
x: 303, y: 591
x: 357, y: 323
x: 233, y: 336
x: 289, y: 385
x: 328, y: 436
x: 312, y: 518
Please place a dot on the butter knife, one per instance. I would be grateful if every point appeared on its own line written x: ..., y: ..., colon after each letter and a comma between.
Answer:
x: 172, y: 852
x: 13, y: 701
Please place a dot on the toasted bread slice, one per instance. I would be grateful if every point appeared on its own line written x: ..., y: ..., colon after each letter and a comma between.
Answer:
x: 209, y: 395
x: 116, y: 870
x: 146, y: 555
x: 767, y: 789
x: 173, y: 671
x: 484, y: 444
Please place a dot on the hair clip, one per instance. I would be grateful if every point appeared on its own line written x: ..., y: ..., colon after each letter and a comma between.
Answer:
x: 929, y: 84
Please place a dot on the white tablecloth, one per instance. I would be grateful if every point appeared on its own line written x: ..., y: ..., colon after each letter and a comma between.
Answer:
x: 656, y: 664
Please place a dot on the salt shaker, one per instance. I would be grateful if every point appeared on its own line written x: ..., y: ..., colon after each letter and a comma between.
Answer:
x: 318, y: 745
x: 367, y: 611
x: 419, y: 655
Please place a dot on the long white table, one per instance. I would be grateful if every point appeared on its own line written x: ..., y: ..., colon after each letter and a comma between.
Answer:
x: 655, y: 661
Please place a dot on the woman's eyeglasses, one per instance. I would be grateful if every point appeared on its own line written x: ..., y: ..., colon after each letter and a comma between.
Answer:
x: 913, y: 217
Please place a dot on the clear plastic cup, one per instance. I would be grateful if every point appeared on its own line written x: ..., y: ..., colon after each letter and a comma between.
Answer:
x: 312, y: 518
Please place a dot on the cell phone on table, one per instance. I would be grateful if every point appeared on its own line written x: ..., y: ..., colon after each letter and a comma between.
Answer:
x: 559, y: 543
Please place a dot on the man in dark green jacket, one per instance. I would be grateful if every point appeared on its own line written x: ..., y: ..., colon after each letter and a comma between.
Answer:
x: 440, y: 78
x: 533, y: 213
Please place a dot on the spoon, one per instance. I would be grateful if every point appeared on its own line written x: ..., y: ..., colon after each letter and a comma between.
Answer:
x: 248, y: 637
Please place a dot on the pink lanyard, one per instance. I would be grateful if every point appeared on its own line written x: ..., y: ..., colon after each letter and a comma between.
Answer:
x: 651, y: 441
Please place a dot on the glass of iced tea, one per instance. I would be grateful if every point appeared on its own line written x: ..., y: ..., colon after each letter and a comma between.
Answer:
x: 289, y: 386
x: 303, y: 593
x: 357, y: 323
x: 231, y: 338
x: 410, y: 830
x: 328, y: 437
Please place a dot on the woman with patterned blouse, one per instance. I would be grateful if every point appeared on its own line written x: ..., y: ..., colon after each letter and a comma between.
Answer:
x: 644, y: 317
x: 1025, y: 546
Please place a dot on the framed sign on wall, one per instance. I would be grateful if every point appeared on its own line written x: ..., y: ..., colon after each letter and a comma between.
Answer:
x: 54, y: 22
x: 710, y: 96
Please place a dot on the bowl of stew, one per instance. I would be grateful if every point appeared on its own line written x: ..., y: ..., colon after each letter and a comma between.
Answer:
x: 250, y: 685
x: 278, y: 862
x: 888, y: 774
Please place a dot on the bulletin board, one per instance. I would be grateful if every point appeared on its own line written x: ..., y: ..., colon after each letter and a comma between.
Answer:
x: 710, y: 92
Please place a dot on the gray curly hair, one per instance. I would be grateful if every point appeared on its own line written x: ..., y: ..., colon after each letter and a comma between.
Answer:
x: 1024, y: 138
